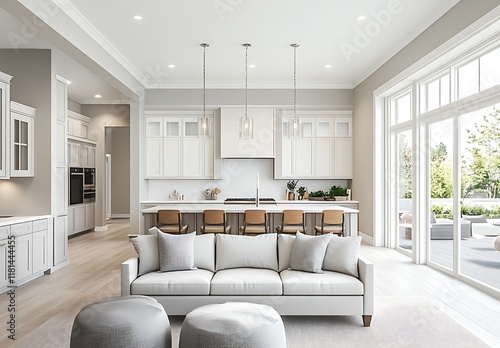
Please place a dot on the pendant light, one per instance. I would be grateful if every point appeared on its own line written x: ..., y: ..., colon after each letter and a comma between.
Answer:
x: 246, y: 123
x: 203, y: 120
x: 295, y: 122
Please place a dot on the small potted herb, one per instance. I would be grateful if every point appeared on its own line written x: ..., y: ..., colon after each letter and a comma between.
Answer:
x: 301, y: 191
x: 317, y: 195
x: 291, y: 185
x: 338, y: 193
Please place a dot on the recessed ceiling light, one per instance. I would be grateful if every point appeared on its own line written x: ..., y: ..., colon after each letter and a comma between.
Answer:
x: 251, y: 66
x: 137, y: 18
x: 68, y: 82
x: 171, y: 66
x: 98, y: 96
x: 328, y: 66
x: 361, y: 18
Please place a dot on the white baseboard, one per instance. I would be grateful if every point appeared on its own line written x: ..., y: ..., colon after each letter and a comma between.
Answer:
x: 368, y: 239
x: 119, y: 216
x: 101, y: 228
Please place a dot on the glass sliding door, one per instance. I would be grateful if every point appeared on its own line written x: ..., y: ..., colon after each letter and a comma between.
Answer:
x: 441, y: 229
x: 403, y: 167
x: 480, y: 172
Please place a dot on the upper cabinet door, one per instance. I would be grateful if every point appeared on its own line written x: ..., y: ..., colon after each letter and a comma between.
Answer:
x: 22, y: 121
x: 4, y: 125
x: 261, y: 145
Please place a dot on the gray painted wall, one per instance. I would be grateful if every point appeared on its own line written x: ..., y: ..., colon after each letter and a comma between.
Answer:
x: 454, y: 21
x: 102, y: 116
x: 118, y: 146
x: 31, y: 69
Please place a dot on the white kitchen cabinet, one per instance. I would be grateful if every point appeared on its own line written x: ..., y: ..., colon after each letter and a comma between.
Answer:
x: 22, y: 123
x: 81, y: 218
x: 81, y: 154
x: 262, y: 143
x: 322, y: 150
x: 4, y: 255
x: 173, y: 149
x: 23, y: 233
x: 40, y: 246
x: 78, y: 125
x: 60, y: 240
x: 4, y: 125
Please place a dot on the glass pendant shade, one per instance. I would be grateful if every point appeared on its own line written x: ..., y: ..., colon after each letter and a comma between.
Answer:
x: 246, y: 127
x: 295, y: 127
x: 203, y: 127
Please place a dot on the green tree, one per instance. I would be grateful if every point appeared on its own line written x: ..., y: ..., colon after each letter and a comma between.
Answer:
x: 482, y: 170
x: 441, y: 172
x: 405, y: 180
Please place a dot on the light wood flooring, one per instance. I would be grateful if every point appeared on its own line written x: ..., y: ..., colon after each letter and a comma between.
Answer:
x: 94, y: 273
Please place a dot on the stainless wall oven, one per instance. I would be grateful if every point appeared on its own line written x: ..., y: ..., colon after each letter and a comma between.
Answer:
x: 81, y: 185
x: 75, y: 185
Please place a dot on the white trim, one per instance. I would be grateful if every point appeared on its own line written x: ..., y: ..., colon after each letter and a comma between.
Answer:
x: 120, y: 216
x: 101, y: 228
x: 366, y: 238
x: 254, y: 85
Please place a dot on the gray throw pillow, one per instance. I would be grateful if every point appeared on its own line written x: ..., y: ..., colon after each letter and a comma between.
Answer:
x: 308, y: 252
x: 146, y: 247
x: 176, y: 251
x: 342, y: 255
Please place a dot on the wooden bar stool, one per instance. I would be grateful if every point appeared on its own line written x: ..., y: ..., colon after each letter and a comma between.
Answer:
x: 332, y: 221
x: 215, y: 221
x: 292, y: 221
x: 170, y: 221
x: 255, y: 222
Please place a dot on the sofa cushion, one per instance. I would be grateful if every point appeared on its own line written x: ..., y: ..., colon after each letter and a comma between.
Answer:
x: 342, y: 255
x: 308, y: 252
x: 147, y: 248
x: 176, y: 251
x: 328, y: 283
x: 285, y: 245
x: 204, y: 251
x: 246, y: 281
x: 235, y: 251
x: 192, y: 282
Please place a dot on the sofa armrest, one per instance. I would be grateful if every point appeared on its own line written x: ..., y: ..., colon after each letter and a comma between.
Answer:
x: 129, y: 270
x: 366, y: 275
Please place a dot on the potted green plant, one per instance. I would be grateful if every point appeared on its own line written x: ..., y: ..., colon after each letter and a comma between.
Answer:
x: 291, y: 185
x: 338, y: 193
x: 317, y: 195
x: 301, y: 191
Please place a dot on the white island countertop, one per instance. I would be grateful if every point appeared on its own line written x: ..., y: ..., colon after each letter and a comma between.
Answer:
x: 198, y: 207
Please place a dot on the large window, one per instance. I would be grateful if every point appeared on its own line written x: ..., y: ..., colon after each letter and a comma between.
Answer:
x: 444, y: 200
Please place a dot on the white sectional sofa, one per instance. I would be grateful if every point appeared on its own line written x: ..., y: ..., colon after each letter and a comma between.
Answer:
x: 296, y: 275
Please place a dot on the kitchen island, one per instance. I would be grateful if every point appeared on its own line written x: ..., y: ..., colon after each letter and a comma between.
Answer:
x: 192, y: 214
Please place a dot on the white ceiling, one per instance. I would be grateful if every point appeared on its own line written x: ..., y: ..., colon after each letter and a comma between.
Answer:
x: 171, y: 32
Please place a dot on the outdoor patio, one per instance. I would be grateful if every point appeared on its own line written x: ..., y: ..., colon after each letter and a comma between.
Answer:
x: 480, y: 260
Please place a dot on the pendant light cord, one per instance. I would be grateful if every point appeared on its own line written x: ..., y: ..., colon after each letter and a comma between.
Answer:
x: 246, y: 79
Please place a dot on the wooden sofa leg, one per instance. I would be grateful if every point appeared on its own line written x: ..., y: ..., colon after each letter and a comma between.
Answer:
x: 367, y: 320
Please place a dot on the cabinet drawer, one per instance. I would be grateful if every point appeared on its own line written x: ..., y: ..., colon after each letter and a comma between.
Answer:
x: 21, y: 229
x: 4, y: 232
x: 40, y: 225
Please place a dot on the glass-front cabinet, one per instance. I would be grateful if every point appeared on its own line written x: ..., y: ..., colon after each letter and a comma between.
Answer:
x: 4, y: 124
x: 22, y: 119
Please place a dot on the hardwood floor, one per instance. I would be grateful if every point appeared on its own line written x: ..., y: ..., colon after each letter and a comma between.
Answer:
x: 94, y: 273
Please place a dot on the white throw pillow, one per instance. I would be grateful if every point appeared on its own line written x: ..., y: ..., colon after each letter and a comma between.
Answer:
x: 176, y: 251
x: 235, y: 251
x: 204, y: 251
x: 285, y: 245
x: 146, y: 247
x: 153, y: 231
x: 342, y: 255
x: 308, y: 252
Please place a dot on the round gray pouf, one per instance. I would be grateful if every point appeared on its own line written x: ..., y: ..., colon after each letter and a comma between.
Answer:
x: 496, y: 244
x: 233, y: 324
x: 124, y: 322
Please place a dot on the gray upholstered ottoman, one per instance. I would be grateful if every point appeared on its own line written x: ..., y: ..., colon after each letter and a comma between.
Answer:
x: 233, y: 324
x: 124, y: 322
